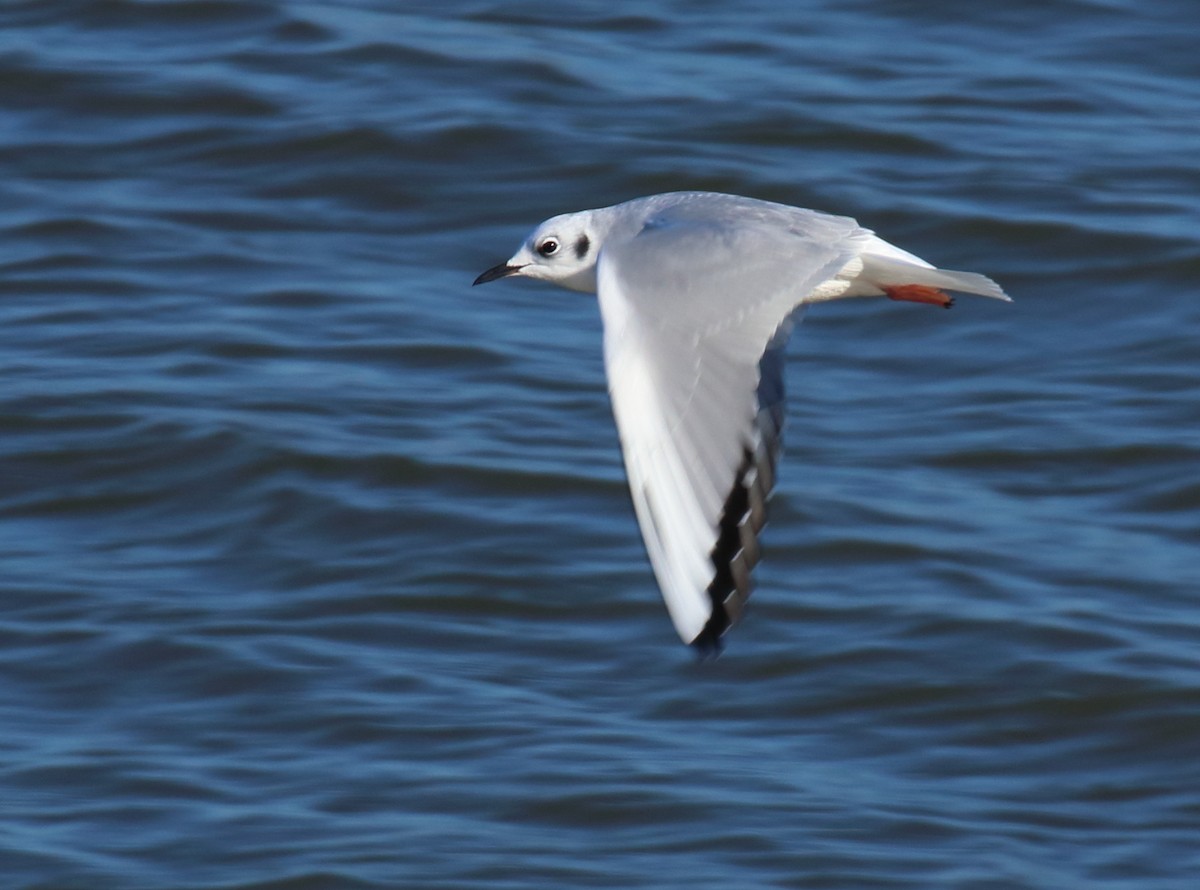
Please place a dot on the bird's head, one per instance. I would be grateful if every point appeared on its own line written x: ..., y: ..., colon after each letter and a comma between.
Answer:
x: 562, y: 250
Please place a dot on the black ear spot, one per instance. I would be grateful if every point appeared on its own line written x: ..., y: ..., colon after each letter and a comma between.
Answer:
x: 581, y: 247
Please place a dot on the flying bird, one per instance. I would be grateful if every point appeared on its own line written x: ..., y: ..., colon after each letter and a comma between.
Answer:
x: 698, y: 293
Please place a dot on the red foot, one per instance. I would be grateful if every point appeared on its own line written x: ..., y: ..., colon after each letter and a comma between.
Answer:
x: 919, y: 293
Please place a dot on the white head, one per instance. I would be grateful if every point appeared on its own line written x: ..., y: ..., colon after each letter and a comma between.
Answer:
x: 562, y: 250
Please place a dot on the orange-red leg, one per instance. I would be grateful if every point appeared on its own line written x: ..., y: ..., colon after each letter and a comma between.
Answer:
x: 919, y: 293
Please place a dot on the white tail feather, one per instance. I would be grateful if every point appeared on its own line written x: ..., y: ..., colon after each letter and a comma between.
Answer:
x: 889, y: 271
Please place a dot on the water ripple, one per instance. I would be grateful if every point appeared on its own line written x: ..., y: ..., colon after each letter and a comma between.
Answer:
x: 319, y: 566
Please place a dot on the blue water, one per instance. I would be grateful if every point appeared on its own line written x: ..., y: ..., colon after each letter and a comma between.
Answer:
x: 317, y: 567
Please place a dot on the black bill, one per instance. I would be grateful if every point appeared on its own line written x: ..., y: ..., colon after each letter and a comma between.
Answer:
x: 501, y: 271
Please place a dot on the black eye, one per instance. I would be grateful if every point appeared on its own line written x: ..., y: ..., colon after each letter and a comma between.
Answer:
x: 549, y: 247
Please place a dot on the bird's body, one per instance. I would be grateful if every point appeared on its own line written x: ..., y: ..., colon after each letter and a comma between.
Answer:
x: 698, y: 292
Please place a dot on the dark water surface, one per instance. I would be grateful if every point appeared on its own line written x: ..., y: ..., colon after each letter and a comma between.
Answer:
x: 317, y: 567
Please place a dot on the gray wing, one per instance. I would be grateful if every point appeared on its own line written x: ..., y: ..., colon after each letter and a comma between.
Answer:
x: 696, y: 313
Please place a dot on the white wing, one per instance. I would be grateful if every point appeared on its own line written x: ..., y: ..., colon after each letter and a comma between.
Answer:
x: 696, y: 314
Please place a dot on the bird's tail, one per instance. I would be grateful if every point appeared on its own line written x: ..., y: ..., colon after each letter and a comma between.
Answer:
x: 890, y: 272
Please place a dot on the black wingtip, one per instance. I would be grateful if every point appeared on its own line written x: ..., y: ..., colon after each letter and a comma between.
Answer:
x: 729, y: 588
x: 708, y: 645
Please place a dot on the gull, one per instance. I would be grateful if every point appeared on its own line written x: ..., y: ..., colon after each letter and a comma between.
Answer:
x: 698, y: 294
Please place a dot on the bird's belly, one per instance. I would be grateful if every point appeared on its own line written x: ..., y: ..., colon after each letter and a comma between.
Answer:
x: 846, y: 283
